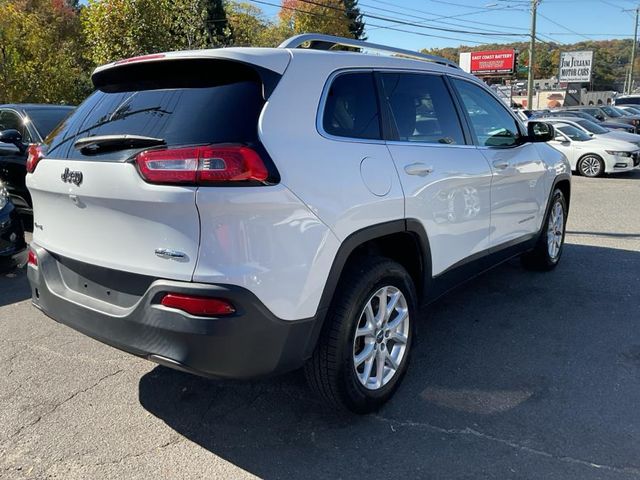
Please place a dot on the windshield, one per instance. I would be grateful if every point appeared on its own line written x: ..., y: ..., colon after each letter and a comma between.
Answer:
x: 612, y: 112
x: 631, y: 110
x: 592, y: 127
x: 622, y: 112
x: 46, y: 119
x: 573, y: 133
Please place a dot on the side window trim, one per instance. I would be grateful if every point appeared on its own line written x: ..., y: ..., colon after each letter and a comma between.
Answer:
x: 462, y: 114
x: 388, y: 128
x: 390, y: 133
x: 517, y: 122
x: 323, y: 103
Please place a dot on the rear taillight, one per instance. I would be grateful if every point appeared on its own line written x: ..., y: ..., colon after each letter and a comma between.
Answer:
x: 199, y: 306
x: 32, y: 259
x: 35, y: 155
x: 202, y: 165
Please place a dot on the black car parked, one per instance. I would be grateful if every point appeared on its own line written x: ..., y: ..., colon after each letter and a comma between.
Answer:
x: 12, y: 244
x: 20, y: 125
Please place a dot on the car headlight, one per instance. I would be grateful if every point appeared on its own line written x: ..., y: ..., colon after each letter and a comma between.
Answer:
x: 4, y: 196
x: 619, y: 154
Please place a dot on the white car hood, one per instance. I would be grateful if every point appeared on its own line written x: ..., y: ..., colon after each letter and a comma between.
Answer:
x: 607, y: 144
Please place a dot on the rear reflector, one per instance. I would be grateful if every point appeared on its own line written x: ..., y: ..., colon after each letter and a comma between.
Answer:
x: 202, y: 165
x: 32, y: 259
x: 199, y: 306
x: 35, y: 155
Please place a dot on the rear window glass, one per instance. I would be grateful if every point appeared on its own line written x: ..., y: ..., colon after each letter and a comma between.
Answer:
x: 422, y: 108
x: 351, y: 108
x: 225, y: 112
x: 46, y: 119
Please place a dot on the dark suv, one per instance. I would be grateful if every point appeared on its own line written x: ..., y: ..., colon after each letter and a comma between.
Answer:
x: 20, y: 125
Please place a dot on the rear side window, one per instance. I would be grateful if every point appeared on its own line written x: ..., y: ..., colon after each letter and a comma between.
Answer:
x: 351, y: 108
x: 220, y: 110
x: 492, y: 124
x: 422, y: 108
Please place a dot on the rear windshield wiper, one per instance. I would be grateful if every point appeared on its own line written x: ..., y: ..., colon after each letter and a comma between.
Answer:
x: 100, y: 143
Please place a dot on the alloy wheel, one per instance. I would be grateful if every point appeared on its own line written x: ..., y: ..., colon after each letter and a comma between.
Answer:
x: 555, y: 230
x: 382, y: 334
x: 590, y: 166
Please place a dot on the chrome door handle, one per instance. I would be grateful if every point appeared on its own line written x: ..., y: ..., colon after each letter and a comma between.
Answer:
x: 500, y: 165
x: 418, y: 169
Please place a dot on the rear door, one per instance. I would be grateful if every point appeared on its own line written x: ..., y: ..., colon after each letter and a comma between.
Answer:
x: 446, y: 180
x: 93, y: 205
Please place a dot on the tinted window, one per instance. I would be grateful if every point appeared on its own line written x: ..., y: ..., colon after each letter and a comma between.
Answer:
x: 45, y: 119
x: 351, y: 108
x: 422, y: 108
x: 11, y: 120
x: 612, y: 112
x: 573, y: 133
x: 592, y: 111
x: 226, y: 113
x: 592, y: 127
x: 628, y: 101
x: 492, y: 124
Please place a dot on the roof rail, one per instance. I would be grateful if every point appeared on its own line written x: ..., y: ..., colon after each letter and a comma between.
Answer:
x: 319, y: 41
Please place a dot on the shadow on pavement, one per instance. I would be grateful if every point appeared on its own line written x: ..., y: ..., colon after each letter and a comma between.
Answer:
x: 14, y: 287
x: 513, y: 373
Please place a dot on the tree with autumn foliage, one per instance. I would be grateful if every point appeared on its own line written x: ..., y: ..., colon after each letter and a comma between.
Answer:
x: 41, y: 52
x: 332, y: 17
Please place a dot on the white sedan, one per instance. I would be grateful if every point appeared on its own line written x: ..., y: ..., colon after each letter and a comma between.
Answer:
x: 593, y: 156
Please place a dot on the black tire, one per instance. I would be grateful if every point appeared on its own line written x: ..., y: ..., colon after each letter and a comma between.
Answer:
x: 585, y: 166
x: 539, y: 258
x: 331, y: 372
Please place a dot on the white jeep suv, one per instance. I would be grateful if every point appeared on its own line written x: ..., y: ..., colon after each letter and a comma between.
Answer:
x: 241, y: 212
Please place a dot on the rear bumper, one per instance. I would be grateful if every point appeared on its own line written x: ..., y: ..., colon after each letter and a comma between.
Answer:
x: 251, y: 343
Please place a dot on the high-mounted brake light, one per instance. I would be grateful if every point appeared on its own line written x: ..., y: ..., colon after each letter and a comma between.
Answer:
x: 202, y: 165
x: 199, y: 306
x: 35, y: 155
x: 141, y: 58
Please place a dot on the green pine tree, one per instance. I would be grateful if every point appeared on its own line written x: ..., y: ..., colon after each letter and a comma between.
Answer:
x: 356, y: 20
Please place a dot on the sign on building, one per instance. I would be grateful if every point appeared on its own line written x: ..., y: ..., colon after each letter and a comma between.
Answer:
x: 576, y: 67
x: 489, y: 63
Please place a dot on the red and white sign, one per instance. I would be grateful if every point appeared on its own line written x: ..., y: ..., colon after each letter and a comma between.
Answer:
x: 490, y: 62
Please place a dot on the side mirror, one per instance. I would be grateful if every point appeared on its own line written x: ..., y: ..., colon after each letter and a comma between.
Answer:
x: 600, y: 117
x: 561, y: 139
x: 540, y: 132
x: 13, y: 137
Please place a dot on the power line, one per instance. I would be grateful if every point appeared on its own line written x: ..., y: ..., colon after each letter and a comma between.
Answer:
x: 562, y: 26
x: 262, y: 2
x: 414, y: 24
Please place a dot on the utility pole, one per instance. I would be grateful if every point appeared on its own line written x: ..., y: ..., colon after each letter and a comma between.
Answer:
x: 532, y: 53
x: 633, y: 55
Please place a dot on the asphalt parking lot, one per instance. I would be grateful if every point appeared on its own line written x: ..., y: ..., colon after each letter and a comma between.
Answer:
x: 515, y: 375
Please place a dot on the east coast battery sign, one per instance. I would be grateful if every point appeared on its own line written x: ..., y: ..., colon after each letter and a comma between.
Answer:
x: 493, y: 62
x: 576, y: 67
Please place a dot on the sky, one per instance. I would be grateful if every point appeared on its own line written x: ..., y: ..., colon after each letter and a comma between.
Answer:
x: 500, y: 21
